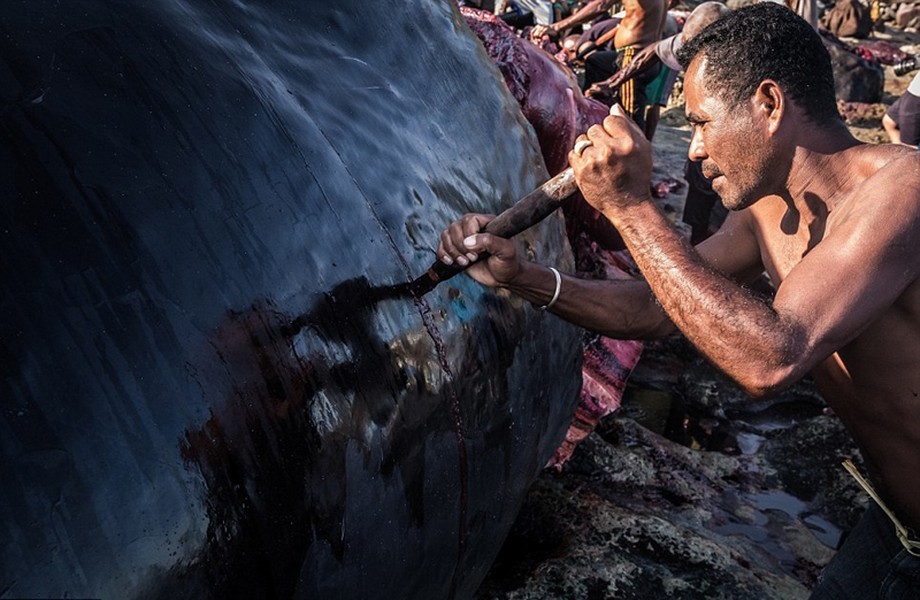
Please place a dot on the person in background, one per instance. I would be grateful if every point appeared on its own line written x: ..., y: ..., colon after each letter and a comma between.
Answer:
x: 658, y: 91
x: 902, y: 119
x: 835, y: 222
x: 807, y: 9
x: 663, y: 52
x: 598, y: 37
x: 640, y: 26
x: 591, y: 12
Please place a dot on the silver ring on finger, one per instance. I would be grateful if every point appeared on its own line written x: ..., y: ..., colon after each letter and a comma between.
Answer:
x: 581, y: 145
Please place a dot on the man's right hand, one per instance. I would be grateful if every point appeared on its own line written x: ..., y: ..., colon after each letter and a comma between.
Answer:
x: 604, y: 91
x: 538, y: 31
x: 493, y: 260
x: 614, y: 171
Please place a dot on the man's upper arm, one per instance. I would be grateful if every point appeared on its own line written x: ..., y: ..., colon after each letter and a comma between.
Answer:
x: 857, y: 271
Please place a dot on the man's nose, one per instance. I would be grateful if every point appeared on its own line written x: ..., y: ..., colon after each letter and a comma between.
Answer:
x: 697, y: 150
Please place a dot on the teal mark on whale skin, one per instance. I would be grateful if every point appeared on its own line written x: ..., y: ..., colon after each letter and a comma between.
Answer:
x: 463, y: 305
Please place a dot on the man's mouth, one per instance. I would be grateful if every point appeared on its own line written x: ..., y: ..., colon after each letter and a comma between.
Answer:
x: 711, y: 174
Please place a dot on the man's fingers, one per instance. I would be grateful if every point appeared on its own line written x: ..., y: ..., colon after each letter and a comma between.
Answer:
x: 596, y: 133
x: 479, y: 243
x: 619, y: 119
x: 538, y: 31
x: 474, y: 222
x: 619, y: 125
x: 581, y: 144
x: 448, y: 248
x: 452, y: 246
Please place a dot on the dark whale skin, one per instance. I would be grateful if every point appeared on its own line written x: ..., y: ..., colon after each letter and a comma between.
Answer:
x: 207, y: 389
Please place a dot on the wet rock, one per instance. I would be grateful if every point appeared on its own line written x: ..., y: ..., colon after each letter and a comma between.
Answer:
x: 855, y: 78
x: 642, y: 517
x: 752, y: 509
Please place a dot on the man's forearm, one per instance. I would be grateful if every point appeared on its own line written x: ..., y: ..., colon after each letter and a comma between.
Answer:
x: 727, y: 324
x: 587, y: 12
x: 623, y: 309
x: 640, y: 64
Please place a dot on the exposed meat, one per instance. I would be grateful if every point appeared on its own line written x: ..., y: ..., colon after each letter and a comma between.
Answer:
x: 557, y: 110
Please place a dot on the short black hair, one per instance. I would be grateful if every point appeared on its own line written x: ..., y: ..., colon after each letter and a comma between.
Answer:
x: 766, y: 41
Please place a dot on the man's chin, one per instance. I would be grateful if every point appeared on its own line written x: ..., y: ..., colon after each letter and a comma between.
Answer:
x: 730, y: 199
x: 736, y: 203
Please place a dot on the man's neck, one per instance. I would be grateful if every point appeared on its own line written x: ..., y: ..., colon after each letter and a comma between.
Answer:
x: 822, y: 165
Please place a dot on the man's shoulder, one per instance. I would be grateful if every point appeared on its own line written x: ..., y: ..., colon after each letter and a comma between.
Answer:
x: 888, y: 177
x: 897, y: 164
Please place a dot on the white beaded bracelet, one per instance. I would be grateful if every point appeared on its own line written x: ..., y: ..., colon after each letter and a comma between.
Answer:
x: 558, y: 277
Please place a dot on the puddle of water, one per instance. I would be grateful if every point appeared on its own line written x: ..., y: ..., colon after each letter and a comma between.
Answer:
x: 762, y: 517
x: 749, y: 443
x: 826, y: 532
x: 766, y: 517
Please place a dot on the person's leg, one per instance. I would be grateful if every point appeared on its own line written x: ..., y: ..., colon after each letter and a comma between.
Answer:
x: 654, y: 91
x: 652, y: 116
x: 628, y: 98
x: 633, y: 97
x: 870, y: 564
x: 699, y: 203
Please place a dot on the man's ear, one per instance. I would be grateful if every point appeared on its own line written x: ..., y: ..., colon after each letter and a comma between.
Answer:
x: 771, y: 103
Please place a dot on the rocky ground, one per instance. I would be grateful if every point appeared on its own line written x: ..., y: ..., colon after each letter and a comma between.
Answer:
x: 692, y: 490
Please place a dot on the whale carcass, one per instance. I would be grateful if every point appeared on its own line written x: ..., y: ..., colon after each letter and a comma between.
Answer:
x: 209, y: 390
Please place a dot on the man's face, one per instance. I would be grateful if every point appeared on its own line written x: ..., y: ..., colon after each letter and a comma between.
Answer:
x: 733, y: 148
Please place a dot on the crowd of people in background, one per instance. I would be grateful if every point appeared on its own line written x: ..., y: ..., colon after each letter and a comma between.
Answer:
x: 625, y: 52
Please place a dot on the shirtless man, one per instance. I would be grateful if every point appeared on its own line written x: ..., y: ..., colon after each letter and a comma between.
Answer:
x: 640, y: 26
x: 833, y: 221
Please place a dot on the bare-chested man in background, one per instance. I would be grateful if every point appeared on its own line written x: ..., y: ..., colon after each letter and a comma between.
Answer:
x: 641, y: 26
x: 833, y: 221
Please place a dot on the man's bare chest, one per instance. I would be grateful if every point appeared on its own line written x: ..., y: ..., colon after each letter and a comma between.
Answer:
x: 781, y: 252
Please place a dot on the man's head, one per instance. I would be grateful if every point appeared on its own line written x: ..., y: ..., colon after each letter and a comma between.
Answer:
x: 765, y: 41
x: 570, y: 47
x: 753, y: 78
x: 701, y: 17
